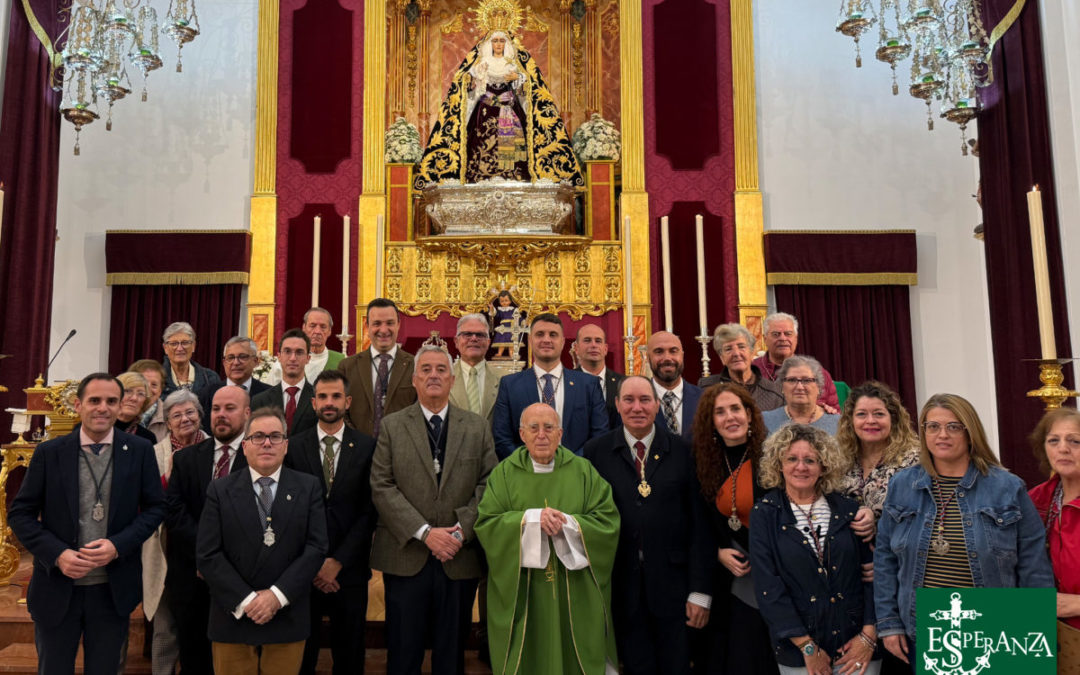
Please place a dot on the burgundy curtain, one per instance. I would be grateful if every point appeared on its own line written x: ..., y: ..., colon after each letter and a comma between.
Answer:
x: 1015, y: 153
x: 29, y: 159
x: 141, y: 313
x: 857, y: 332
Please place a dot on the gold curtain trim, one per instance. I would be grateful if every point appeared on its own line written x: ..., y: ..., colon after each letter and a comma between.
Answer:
x: 774, y: 232
x: 174, y: 278
x: 247, y: 232
x: 842, y: 278
x: 999, y: 30
x: 41, y: 34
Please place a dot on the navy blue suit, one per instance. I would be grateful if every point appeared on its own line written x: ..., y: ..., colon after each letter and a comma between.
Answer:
x: 585, y: 413
x: 45, y: 518
x: 691, y: 395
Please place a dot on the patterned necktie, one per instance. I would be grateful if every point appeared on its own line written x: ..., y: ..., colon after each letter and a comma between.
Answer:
x: 222, y: 468
x: 381, y: 380
x: 266, y: 497
x: 639, y: 456
x: 96, y: 448
x: 290, y: 405
x: 669, y: 412
x: 472, y: 388
x: 549, y: 391
x: 436, y: 427
x: 328, y: 461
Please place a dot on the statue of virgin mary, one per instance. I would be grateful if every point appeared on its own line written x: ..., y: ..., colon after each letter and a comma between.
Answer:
x: 498, y: 120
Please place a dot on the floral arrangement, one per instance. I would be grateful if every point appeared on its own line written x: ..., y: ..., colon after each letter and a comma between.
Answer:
x: 403, y: 143
x: 266, y: 364
x: 597, y: 139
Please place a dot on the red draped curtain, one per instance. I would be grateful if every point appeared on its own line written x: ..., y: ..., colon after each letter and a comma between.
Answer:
x: 199, y: 282
x: 850, y: 294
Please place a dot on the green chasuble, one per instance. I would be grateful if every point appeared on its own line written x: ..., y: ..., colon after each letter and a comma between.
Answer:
x: 549, y: 620
x: 333, y: 359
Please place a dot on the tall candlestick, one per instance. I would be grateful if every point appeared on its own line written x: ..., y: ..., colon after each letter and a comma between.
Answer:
x: 315, y: 262
x: 345, y: 277
x: 379, y: 255
x: 1042, y: 274
x: 702, y: 314
x: 665, y: 247
x: 628, y: 269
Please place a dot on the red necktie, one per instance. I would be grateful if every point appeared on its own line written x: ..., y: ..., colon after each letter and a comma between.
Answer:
x: 639, y: 456
x: 290, y: 405
x: 222, y: 468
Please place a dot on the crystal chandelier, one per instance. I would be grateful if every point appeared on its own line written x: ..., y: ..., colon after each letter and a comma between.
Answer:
x: 946, y: 41
x: 104, y: 37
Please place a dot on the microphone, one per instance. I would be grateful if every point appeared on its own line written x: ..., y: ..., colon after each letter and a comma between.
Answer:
x: 58, y: 349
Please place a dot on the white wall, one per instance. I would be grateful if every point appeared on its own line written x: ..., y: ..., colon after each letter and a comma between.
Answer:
x: 1062, y: 57
x: 182, y: 160
x: 839, y: 152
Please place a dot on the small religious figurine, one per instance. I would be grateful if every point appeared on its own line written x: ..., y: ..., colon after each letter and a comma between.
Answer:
x: 499, y: 119
x: 506, y: 315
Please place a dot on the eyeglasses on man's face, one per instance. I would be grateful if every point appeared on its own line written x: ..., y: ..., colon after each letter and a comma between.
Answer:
x: 259, y: 438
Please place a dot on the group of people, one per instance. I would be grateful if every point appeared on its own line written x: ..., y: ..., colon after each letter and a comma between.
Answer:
x: 601, y: 523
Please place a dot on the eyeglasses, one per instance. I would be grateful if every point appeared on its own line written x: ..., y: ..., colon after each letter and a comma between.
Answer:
x: 473, y: 335
x: 806, y: 461
x: 173, y: 344
x: 951, y: 428
x: 239, y: 358
x: 804, y: 381
x: 181, y: 414
x: 259, y: 438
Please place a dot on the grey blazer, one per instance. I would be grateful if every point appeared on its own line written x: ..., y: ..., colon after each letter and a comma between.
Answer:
x: 407, y: 496
x: 460, y: 398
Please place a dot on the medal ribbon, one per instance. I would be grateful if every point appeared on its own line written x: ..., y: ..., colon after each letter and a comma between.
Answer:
x: 98, y: 484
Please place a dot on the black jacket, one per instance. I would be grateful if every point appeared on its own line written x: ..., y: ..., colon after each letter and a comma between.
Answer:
x: 350, y: 515
x: 669, y: 527
x: 796, y: 594
x: 274, y: 397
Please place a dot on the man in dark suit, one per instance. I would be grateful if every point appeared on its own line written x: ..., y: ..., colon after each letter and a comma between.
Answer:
x: 293, y: 394
x: 431, y: 464
x: 678, y: 398
x: 240, y: 358
x: 340, y: 458
x: 262, y: 538
x: 662, y: 579
x: 193, y: 468
x: 380, y: 377
x: 88, y: 502
x: 591, y: 347
x: 575, y: 395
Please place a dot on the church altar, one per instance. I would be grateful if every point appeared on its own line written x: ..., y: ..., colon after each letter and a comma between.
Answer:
x: 499, y: 206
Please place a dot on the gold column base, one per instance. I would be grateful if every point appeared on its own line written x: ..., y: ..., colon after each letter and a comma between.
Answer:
x: 1052, y: 393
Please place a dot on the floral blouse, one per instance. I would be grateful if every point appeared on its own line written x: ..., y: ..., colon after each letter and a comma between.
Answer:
x: 871, y: 491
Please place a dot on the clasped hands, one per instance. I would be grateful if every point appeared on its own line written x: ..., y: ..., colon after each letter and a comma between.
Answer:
x: 326, y: 579
x: 77, y: 564
x: 263, y: 606
x: 442, y: 542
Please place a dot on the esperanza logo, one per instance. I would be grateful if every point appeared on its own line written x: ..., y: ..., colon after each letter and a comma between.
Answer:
x: 964, y: 631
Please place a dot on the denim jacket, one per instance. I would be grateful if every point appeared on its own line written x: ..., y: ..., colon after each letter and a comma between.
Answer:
x: 1004, y: 535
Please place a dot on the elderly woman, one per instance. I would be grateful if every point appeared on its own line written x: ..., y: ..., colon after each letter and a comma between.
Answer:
x: 876, y: 440
x: 183, y: 415
x: 801, y: 378
x: 1056, y: 443
x: 954, y: 519
x: 801, y: 527
x: 181, y: 371
x: 134, y: 403
x: 153, y: 419
x: 728, y: 435
x: 735, y: 345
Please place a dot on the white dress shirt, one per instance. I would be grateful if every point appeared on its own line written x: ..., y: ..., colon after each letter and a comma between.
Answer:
x: 246, y: 385
x: 481, y: 375
x: 558, y: 383
x: 235, y: 446
x: 339, y: 435
x: 678, y: 391
x: 238, y: 613
x: 375, y: 365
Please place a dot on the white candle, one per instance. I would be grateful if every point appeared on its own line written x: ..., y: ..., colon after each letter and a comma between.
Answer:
x: 379, y: 255
x: 1042, y: 274
x: 665, y: 246
x: 702, y: 314
x: 628, y: 268
x: 317, y: 243
x: 345, y: 277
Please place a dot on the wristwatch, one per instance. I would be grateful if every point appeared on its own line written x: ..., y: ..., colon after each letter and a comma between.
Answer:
x: 457, y: 535
x: 809, y: 648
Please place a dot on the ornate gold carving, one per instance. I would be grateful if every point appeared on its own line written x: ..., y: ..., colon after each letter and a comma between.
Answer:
x: 612, y: 289
x: 554, y: 289
x: 610, y: 25
x: 393, y: 289
x: 14, y: 456
x: 582, y: 288
x: 504, y: 15
x: 423, y: 289
x: 503, y: 252
x: 453, y: 263
x: 523, y: 266
x: 393, y: 261
x: 481, y: 266
x: 453, y: 289
x: 455, y: 25
x: 534, y: 24
x: 525, y: 288
x: 480, y: 286
x: 410, y: 61
x: 582, y: 263
x: 423, y: 261
x: 579, y: 61
x: 552, y: 265
x: 611, y: 260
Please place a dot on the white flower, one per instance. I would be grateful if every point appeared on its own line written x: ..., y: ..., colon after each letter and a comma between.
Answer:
x: 597, y: 139
x: 403, y: 143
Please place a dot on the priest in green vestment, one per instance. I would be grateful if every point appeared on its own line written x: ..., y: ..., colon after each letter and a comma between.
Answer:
x: 549, y: 528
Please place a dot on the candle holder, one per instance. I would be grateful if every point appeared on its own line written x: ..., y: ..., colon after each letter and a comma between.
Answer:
x: 645, y: 370
x: 629, y: 340
x: 344, y: 337
x: 1052, y: 393
x: 704, y: 340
